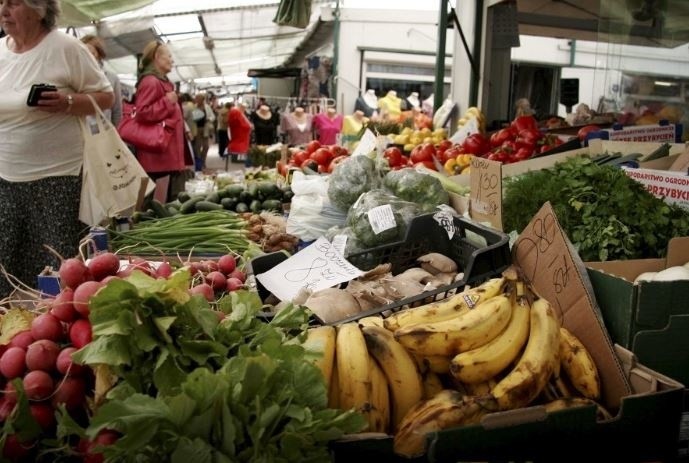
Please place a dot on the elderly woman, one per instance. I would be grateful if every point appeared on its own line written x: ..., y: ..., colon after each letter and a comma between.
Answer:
x: 156, y: 101
x: 42, y: 146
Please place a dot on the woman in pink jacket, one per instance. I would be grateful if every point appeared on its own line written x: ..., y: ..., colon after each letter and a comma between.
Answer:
x: 156, y: 101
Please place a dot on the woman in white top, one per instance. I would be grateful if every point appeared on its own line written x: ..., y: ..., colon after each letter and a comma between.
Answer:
x: 42, y: 146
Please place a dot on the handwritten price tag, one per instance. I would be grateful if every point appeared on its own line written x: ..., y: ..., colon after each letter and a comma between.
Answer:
x: 557, y: 273
x: 315, y: 267
x: 486, y: 191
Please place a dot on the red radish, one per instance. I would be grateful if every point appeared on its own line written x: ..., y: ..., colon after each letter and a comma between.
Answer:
x: 42, y: 355
x: 70, y: 391
x: 47, y: 326
x: 236, y: 273
x: 13, y: 363
x: 63, y: 307
x: 83, y: 294
x: 14, y: 449
x: 38, y: 385
x: 73, y: 272
x: 194, y: 268
x: 22, y: 339
x: 10, y: 393
x: 227, y: 264
x: 80, y: 333
x: 233, y: 284
x: 211, y: 265
x: 6, y: 407
x: 139, y: 263
x: 104, y: 438
x: 44, y: 414
x: 164, y: 270
x: 217, y: 280
x: 65, y: 365
x: 205, y: 290
x: 104, y: 265
x: 108, y: 279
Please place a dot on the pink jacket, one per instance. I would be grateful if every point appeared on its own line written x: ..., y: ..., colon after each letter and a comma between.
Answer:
x: 153, y: 106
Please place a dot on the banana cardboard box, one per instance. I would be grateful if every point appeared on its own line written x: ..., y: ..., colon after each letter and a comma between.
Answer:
x: 651, y: 318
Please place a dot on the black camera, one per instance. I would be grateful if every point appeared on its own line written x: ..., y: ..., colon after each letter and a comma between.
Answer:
x: 36, y: 92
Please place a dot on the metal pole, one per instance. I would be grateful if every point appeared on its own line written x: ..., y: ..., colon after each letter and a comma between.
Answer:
x: 438, y: 93
x: 336, y: 53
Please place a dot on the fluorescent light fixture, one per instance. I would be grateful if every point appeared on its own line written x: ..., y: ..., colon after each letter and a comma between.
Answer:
x: 662, y: 83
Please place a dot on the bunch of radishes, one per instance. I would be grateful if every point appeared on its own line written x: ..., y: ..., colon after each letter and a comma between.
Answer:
x: 214, y: 277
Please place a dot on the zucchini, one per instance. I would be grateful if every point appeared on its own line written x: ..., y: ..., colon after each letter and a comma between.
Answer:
x: 172, y: 210
x: 255, y: 206
x: 232, y: 191
x: 271, y: 205
x: 159, y: 209
x: 268, y: 190
x: 213, y: 197
x: 183, y: 196
x: 241, y: 207
x: 189, y: 205
x: 229, y: 203
x: 204, y: 205
x: 176, y: 203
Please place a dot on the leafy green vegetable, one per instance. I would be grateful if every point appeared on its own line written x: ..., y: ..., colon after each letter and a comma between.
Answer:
x: 606, y: 214
x: 351, y: 178
x: 411, y: 185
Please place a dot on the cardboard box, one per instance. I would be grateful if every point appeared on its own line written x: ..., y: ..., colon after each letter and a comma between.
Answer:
x: 646, y: 428
x: 649, y: 318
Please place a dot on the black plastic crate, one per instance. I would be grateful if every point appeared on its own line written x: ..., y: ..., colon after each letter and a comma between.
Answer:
x: 480, y: 252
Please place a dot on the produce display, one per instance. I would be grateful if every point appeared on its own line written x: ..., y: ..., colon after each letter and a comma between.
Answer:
x: 492, y: 348
x: 606, y: 214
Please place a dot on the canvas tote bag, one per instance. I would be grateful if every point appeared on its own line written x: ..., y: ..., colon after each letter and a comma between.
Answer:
x: 112, y: 178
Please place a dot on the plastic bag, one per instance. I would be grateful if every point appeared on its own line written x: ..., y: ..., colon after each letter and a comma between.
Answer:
x: 352, y: 243
x: 412, y: 185
x: 311, y: 214
x: 351, y: 178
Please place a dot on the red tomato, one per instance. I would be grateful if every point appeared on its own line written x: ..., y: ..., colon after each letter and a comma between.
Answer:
x: 476, y: 144
x: 299, y: 157
x: 337, y: 150
x: 393, y: 155
x: 524, y: 122
x: 499, y: 156
x: 312, y: 146
x: 443, y: 146
x: 528, y: 138
x: 450, y: 153
x: 428, y: 164
x: 522, y: 154
x: 322, y: 156
x: 335, y: 162
x: 585, y: 131
x: 423, y: 152
x: 501, y: 136
x: 309, y: 164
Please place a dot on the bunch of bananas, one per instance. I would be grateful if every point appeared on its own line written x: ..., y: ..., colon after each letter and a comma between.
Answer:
x: 491, y: 348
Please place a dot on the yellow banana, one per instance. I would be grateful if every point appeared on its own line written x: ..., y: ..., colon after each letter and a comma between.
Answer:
x: 445, y: 410
x: 371, y: 321
x: 404, y: 380
x: 334, y: 390
x: 353, y: 368
x: 578, y: 365
x: 538, y: 362
x: 465, y: 332
x: 379, y: 417
x: 480, y: 388
x: 480, y: 364
x: 439, y: 364
x: 571, y: 402
x: 431, y: 385
x: 447, y: 309
x: 320, y: 350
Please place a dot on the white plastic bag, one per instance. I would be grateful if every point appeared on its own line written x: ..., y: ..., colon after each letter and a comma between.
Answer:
x: 311, y: 214
x: 112, y: 177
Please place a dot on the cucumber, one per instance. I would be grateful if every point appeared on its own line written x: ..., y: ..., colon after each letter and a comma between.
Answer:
x: 159, y: 209
x: 241, y: 207
x: 172, y: 210
x: 245, y: 196
x: 229, y: 203
x: 207, y: 206
x: 271, y: 205
x: 255, y: 206
x: 268, y: 190
x: 232, y: 190
x: 176, y: 204
x: 183, y: 196
x: 189, y: 205
x: 252, y: 190
x: 213, y: 198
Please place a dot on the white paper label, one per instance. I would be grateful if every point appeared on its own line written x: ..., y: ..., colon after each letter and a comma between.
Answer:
x: 317, y: 266
x: 446, y: 220
x: 339, y: 242
x: 366, y: 144
x: 381, y: 218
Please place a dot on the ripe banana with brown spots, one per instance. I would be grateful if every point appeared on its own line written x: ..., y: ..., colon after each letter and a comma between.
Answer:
x: 578, y: 365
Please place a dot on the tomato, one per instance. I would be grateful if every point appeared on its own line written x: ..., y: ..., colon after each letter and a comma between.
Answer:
x: 337, y: 150
x: 335, y: 162
x: 450, y: 153
x: 393, y: 155
x: 309, y: 164
x: 528, y: 138
x: 405, y: 161
x: 501, y: 136
x: 584, y: 132
x: 476, y: 144
x: 322, y: 156
x: 499, y: 156
x: 522, y: 154
x: 423, y: 152
x: 443, y: 146
x: 299, y: 157
x: 524, y: 122
x: 312, y: 146
x: 282, y: 168
x: 428, y: 164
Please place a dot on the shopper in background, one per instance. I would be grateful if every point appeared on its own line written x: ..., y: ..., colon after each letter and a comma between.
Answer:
x: 156, y: 101
x: 41, y: 147
x: 239, y: 133
x: 204, y: 119
x: 97, y: 49
x: 222, y: 128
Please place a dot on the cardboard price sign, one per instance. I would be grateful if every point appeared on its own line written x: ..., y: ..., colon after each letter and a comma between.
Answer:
x: 557, y: 273
x: 486, y: 191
